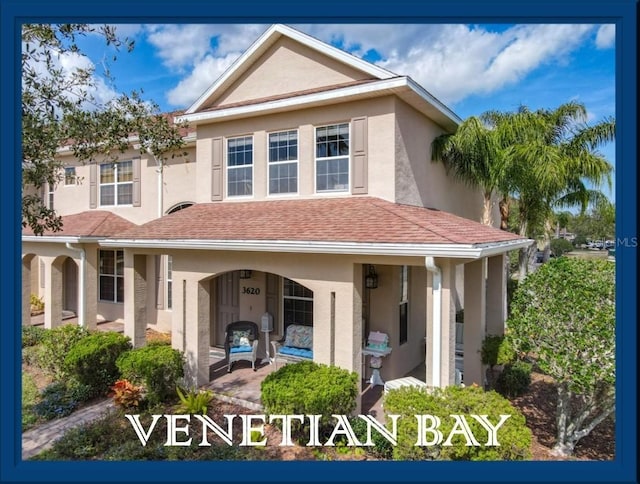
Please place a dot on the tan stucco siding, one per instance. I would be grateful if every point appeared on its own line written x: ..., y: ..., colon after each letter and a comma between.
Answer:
x: 419, y: 181
x: 380, y: 146
x: 284, y: 68
x: 178, y: 186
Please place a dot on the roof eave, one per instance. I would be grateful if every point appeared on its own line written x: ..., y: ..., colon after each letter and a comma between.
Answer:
x: 458, y: 251
x: 420, y: 99
x: 62, y: 239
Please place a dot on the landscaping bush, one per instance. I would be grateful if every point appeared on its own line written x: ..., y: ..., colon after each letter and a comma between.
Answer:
x: 382, y: 448
x: 560, y: 247
x: 193, y: 401
x: 310, y: 388
x: 497, y: 350
x: 126, y: 395
x: 92, y: 360
x: 60, y: 398
x: 514, y: 380
x: 157, y: 367
x: 513, y: 436
x: 55, y: 345
x: 37, y: 304
x: 32, y: 335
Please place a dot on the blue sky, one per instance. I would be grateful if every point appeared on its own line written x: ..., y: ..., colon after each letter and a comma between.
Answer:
x: 472, y: 68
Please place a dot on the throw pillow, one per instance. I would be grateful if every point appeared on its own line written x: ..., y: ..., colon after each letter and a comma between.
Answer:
x: 241, y: 338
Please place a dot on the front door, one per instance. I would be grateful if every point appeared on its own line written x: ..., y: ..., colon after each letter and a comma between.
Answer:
x: 227, y: 299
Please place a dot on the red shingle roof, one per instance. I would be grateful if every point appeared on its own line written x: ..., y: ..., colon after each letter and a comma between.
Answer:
x: 94, y: 223
x: 349, y: 219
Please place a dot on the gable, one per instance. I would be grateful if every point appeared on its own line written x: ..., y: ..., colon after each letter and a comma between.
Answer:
x: 287, y: 67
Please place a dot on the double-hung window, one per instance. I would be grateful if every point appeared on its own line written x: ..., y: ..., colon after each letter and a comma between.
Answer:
x: 111, y: 274
x: 404, y: 304
x: 240, y: 166
x: 116, y: 183
x: 332, y: 158
x: 283, y: 162
x: 297, y: 303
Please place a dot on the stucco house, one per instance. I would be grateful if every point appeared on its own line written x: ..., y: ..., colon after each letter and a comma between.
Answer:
x: 307, y: 169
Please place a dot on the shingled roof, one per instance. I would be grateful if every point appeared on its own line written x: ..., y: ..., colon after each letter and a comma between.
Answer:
x: 349, y: 219
x: 93, y: 223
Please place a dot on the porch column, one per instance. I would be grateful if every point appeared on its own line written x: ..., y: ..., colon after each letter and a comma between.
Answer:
x: 496, y: 294
x: 474, y: 320
x: 26, y: 290
x: 444, y: 306
x: 90, y: 288
x: 323, y: 321
x: 196, y: 331
x: 135, y: 297
x: 52, y: 292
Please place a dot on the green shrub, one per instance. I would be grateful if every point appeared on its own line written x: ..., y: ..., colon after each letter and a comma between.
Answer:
x: 310, y: 388
x: 126, y: 395
x: 382, y: 448
x: 512, y: 285
x: 513, y: 436
x: 60, y: 398
x: 32, y: 335
x: 497, y: 350
x: 55, y: 345
x: 92, y: 360
x: 560, y: 247
x: 157, y: 367
x: 37, y: 303
x: 514, y: 380
x: 30, y: 397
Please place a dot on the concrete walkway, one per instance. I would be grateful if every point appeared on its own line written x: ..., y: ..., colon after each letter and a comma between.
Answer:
x: 43, y: 436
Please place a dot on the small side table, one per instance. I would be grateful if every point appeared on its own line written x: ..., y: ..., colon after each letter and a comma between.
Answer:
x: 375, y: 364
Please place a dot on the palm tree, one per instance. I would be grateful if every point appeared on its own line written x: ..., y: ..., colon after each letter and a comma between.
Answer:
x: 551, y: 155
x: 472, y: 155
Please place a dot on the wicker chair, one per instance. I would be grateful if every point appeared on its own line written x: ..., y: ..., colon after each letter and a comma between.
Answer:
x: 241, y: 343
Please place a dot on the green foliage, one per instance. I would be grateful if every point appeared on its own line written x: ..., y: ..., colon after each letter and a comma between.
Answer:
x: 37, y: 303
x: 382, y: 448
x: 579, y: 241
x: 32, y: 335
x: 156, y: 367
x: 126, y: 395
x: 92, y: 360
x: 60, y: 398
x: 560, y: 247
x: 512, y: 285
x: 307, y: 387
x: 564, y: 317
x: 194, y: 402
x: 514, y: 379
x: 497, y: 350
x: 514, y: 436
x: 30, y: 397
x: 56, y: 343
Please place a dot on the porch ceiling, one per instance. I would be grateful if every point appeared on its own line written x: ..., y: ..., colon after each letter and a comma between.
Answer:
x: 329, y: 225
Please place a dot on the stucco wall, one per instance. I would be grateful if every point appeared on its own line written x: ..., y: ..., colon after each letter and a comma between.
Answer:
x: 285, y: 67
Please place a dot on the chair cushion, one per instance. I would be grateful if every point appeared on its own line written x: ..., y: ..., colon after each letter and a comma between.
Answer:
x: 241, y: 338
x: 301, y: 352
x: 299, y: 336
x: 240, y: 349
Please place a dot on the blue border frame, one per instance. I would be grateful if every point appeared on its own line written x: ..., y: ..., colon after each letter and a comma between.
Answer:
x: 621, y: 12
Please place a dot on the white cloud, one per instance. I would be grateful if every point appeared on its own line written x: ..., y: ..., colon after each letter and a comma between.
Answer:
x: 606, y: 36
x: 200, y: 79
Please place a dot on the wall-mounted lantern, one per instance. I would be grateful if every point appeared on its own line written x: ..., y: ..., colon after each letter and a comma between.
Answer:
x: 371, y: 279
x: 245, y: 273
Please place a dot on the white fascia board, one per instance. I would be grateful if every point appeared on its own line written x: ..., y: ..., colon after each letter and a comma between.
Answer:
x: 297, y: 101
x: 435, y: 102
x: 270, y: 36
x: 462, y: 251
x: 61, y: 239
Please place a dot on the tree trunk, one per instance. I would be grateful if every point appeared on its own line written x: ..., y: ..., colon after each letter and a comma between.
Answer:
x: 487, y: 208
x: 564, y: 446
x: 547, y: 241
x: 526, y: 254
x: 504, y: 212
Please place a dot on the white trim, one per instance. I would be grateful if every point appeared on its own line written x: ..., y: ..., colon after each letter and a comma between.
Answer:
x: 266, y: 40
x: 462, y: 251
x: 436, y: 290
x: 391, y: 86
x: 59, y: 239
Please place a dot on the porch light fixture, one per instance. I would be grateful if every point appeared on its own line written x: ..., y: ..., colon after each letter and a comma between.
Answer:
x: 245, y: 273
x: 371, y: 279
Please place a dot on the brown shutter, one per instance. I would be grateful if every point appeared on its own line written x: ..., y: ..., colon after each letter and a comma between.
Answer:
x: 93, y: 185
x: 159, y: 281
x: 216, y: 169
x: 137, y: 198
x: 359, y: 172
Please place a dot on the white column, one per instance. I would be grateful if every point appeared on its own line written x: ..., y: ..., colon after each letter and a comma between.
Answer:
x: 496, y: 294
x: 474, y: 320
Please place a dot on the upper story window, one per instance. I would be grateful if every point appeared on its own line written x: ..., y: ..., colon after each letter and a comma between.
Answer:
x: 332, y: 158
x: 240, y: 166
x: 116, y: 183
x: 70, y: 175
x: 283, y: 162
